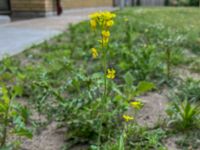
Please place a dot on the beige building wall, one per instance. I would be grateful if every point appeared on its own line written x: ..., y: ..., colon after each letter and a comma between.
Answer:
x: 50, y: 5
x: 27, y: 5
x: 85, y: 3
x: 33, y: 8
x: 43, y: 8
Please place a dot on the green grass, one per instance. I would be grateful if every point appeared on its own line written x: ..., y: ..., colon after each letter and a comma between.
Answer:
x: 177, y: 18
x: 182, y: 20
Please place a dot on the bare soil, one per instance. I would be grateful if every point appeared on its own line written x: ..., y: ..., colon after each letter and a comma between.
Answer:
x: 185, y: 73
x: 51, y: 138
x: 170, y: 143
x: 153, y: 111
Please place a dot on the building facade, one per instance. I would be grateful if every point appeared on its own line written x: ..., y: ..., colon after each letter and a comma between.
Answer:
x: 42, y: 8
x: 141, y: 2
x: 152, y: 2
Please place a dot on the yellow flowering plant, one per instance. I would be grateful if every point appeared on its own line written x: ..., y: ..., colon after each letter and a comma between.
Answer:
x: 89, y: 109
x: 99, y: 99
x: 103, y: 21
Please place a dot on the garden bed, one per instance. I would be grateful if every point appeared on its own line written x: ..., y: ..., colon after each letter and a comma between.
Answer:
x: 155, y: 53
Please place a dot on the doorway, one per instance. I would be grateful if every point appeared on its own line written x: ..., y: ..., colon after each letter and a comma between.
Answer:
x: 4, y: 7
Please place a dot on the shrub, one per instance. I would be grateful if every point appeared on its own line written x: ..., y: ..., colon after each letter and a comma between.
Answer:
x: 185, y: 2
x: 194, y: 2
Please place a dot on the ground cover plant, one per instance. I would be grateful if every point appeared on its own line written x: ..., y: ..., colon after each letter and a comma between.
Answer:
x: 13, y: 120
x: 94, y: 81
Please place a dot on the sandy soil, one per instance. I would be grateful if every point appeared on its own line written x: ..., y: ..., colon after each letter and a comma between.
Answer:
x: 170, y: 143
x: 184, y: 73
x: 153, y: 111
x: 51, y: 138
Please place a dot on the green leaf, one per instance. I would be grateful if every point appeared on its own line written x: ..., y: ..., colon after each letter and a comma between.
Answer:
x: 18, y: 90
x: 143, y: 87
x: 2, y: 107
x: 21, y: 76
x: 23, y: 132
x: 128, y: 77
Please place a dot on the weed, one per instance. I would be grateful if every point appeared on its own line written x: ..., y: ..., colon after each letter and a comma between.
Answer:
x: 188, y: 89
x: 13, y: 116
x: 183, y: 115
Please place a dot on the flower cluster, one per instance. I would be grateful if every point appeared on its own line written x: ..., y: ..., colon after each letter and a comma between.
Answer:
x: 128, y: 118
x: 94, y: 53
x: 103, y: 20
x: 111, y: 73
x: 136, y: 104
x: 105, y: 37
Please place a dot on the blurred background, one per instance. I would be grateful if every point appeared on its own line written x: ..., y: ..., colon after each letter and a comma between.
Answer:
x: 43, y: 8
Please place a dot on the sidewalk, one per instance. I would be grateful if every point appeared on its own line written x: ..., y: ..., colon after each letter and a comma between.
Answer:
x: 17, y: 36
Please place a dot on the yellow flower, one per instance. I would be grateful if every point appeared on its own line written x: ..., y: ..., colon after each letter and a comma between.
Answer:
x: 105, y: 34
x: 104, y: 19
x: 94, y: 53
x: 127, y: 118
x: 93, y: 24
x: 111, y: 73
x: 105, y: 41
x: 95, y: 15
x: 109, y: 23
x: 107, y: 15
x: 136, y: 105
x: 105, y: 37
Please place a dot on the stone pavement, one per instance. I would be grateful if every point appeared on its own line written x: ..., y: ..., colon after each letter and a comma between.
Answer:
x: 17, y: 36
x: 4, y: 19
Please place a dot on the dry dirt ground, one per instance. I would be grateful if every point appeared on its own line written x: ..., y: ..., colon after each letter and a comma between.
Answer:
x: 51, y: 138
x: 153, y: 111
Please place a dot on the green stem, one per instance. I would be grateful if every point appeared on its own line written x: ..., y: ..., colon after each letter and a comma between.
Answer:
x: 4, y: 130
x: 3, y: 142
x: 104, y: 96
x: 105, y: 78
x: 168, y: 63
